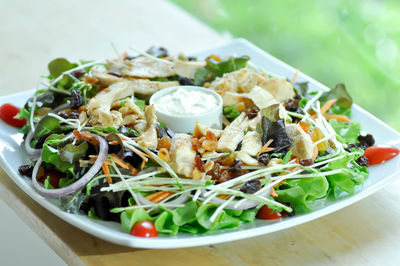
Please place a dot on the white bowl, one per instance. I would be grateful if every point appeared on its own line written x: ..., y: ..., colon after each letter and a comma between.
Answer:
x: 186, y: 123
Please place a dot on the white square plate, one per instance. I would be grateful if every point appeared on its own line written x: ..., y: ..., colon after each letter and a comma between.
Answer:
x: 12, y: 156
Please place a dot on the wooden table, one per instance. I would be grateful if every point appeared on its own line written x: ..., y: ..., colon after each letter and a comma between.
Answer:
x: 34, y: 32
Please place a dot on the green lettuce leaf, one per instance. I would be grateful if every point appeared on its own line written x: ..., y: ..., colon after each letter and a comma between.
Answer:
x: 70, y: 153
x: 47, y: 124
x: 348, y: 179
x: 186, y: 214
x: 343, y: 100
x: 47, y: 184
x: 51, y: 155
x: 140, y: 103
x: 301, y: 192
x: 130, y: 217
x: 65, y: 181
x: 223, y: 220
x: 189, y: 218
x: 347, y: 132
x: 164, y: 223
x: 215, y: 69
x: 231, y: 112
x: 59, y: 65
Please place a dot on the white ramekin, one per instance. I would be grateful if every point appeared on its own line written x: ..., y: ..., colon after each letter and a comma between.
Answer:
x: 186, y: 123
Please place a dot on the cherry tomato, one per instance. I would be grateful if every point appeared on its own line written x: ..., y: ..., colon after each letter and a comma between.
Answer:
x: 380, y: 153
x: 144, y: 229
x: 266, y: 213
x: 7, y: 113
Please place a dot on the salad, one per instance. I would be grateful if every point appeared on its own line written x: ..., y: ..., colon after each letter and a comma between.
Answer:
x: 97, y: 147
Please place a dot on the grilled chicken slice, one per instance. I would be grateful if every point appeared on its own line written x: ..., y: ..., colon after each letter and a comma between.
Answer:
x: 140, y: 86
x: 200, y: 130
x: 149, y: 137
x: 182, y: 154
x: 243, y: 81
x: 230, y: 98
x: 104, y: 78
x: 301, y: 142
x: 129, y: 110
x: 142, y: 67
x: 148, y: 87
x: 99, y: 107
x: 251, y: 145
x: 187, y: 68
x: 280, y: 88
x: 233, y: 134
x: 261, y: 98
x: 238, y: 81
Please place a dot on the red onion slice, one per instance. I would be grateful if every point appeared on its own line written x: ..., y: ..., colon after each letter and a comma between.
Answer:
x: 28, y: 147
x: 59, y: 192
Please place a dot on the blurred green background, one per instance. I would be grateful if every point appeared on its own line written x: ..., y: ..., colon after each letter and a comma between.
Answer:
x: 351, y: 42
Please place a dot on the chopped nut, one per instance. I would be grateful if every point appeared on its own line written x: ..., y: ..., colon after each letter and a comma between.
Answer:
x: 164, y: 155
x: 198, y: 163
x: 211, y: 136
x: 164, y: 142
x: 195, y: 143
x: 209, y: 145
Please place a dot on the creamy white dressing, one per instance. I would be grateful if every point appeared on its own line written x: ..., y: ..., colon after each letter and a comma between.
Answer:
x: 186, y: 102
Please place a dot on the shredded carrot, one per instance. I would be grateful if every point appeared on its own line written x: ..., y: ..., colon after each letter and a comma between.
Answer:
x: 305, y: 126
x: 138, y: 152
x: 283, y: 182
x: 338, y: 118
x: 106, y: 171
x: 294, y: 76
x: 86, y: 136
x: 327, y: 105
x: 224, y: 196
x: 159, y: 196
x: 143, y: 164
x: 273, y: 193
x: 120, y: 162
x: 134, y: 171
x: 266, y: 147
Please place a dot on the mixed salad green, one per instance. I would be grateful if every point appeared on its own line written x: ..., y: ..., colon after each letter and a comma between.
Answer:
x: 97, y: 147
